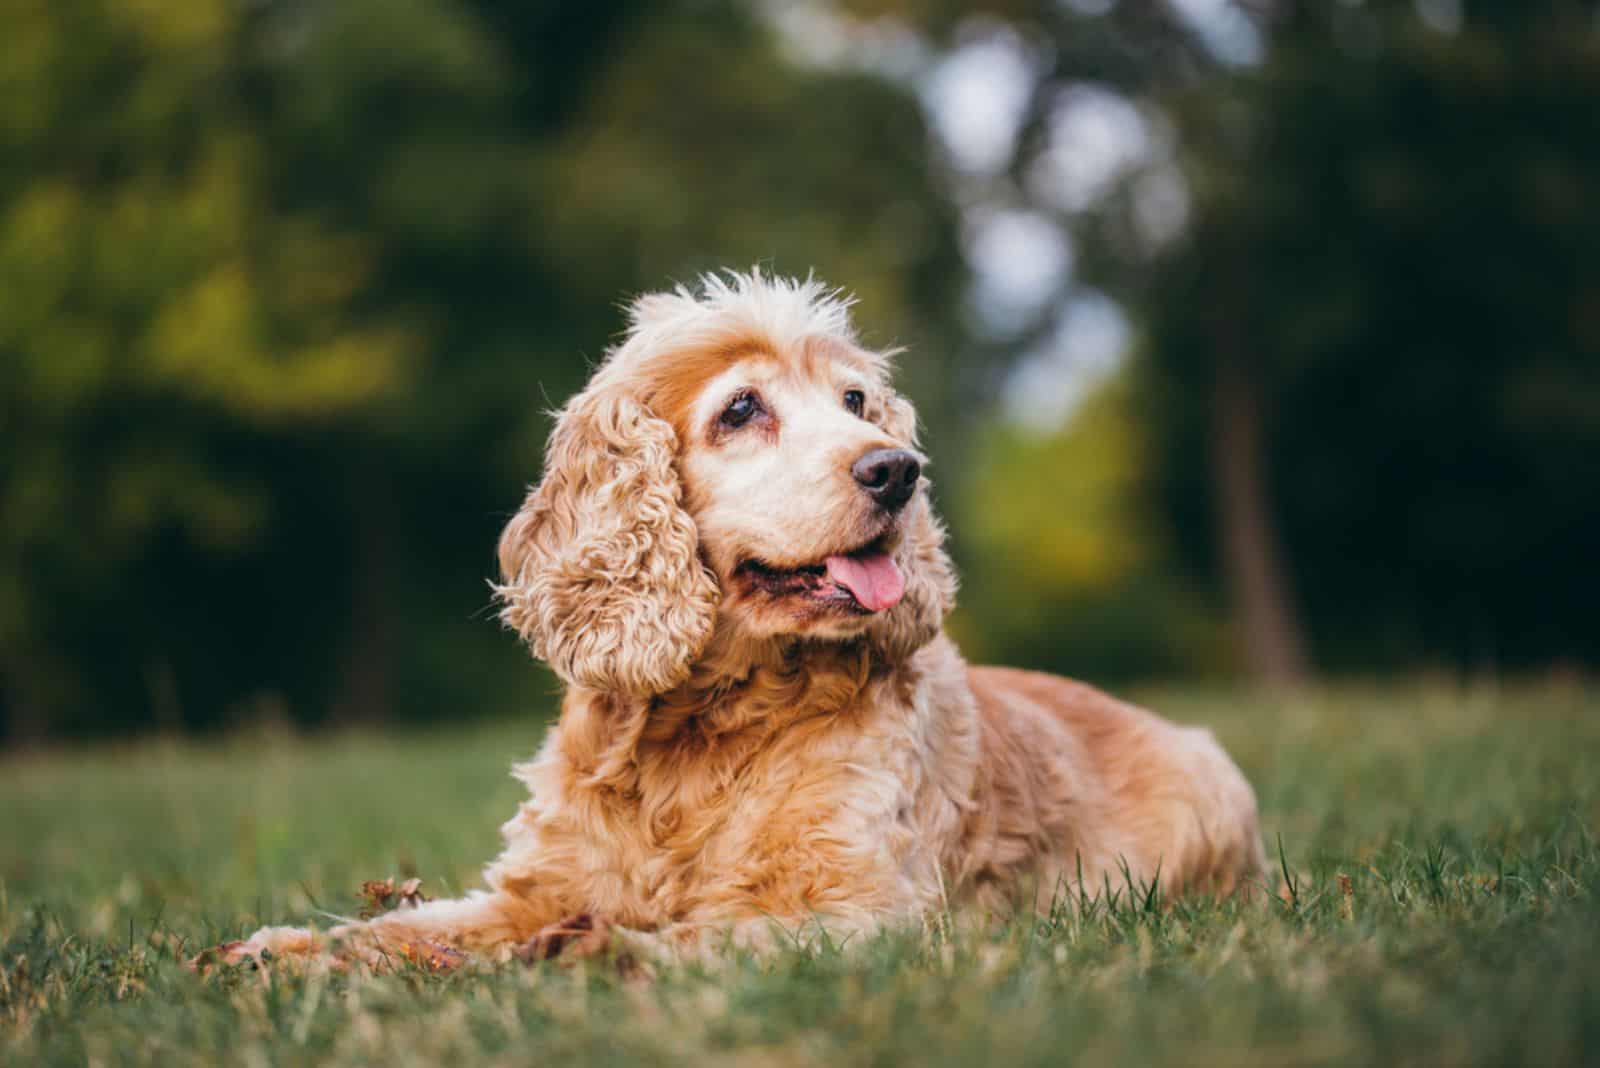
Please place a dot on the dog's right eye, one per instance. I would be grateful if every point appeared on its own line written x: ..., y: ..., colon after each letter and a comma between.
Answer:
x: 740, y: 410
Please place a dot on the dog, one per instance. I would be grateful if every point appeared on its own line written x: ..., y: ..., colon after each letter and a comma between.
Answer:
x: 733, y: 565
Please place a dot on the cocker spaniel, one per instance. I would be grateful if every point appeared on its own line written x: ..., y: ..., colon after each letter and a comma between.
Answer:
x: 733, y: 565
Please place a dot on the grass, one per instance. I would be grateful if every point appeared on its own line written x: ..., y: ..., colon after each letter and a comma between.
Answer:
x: 1442, y: 908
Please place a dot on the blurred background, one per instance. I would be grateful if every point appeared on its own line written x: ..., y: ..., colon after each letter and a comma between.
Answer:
x: 1254, y: 341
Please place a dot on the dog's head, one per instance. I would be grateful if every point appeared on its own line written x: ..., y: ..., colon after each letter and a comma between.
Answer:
x: 739, y: 464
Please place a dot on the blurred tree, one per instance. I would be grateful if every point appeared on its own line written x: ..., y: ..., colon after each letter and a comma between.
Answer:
x: 1357, y: 240
x: 286, y: 288
x: 1064, y: 564
x: 1127, y: 59
x: 1388, y: 287
x: 164, y: 322
x: 289, y: 287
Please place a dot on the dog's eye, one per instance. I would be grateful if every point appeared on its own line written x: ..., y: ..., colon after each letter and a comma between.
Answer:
x: 740, y: 410
x: 855, y: 401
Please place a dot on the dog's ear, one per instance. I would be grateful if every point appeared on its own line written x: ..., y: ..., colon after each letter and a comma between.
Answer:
x: 601, y: 570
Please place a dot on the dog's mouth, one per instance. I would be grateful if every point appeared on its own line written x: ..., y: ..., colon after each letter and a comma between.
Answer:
x: 864, y: 581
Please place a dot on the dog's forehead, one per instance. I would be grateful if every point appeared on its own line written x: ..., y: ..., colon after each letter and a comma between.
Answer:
x: 761, y: 371
x: 698, y: 379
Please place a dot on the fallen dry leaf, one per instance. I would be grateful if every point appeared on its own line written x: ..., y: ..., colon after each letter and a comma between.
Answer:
x: 377, y: 894
x: 434, y: 956
x: 382, y: 895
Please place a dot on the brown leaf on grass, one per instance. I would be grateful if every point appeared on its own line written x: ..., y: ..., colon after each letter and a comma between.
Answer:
x: 382, y: 895
x: 434, y: 956
x: 377, y: 893
x: 411, y: 894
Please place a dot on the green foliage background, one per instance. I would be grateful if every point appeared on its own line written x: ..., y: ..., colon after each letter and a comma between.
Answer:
x: 286, y: 290
x: 1398, y: 247
x: 290, y: 288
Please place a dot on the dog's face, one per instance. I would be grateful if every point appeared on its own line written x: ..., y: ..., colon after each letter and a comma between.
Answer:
x: 739, y: 466
x: 800, y: 490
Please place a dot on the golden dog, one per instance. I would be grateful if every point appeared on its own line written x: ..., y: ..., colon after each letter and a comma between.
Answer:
x: 733, y: 565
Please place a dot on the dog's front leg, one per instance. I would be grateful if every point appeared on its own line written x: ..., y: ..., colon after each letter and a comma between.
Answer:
x: 486, y: 922
x: 435, y: 934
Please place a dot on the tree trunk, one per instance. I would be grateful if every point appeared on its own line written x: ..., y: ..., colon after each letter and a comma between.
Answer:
x: 1258, y: 581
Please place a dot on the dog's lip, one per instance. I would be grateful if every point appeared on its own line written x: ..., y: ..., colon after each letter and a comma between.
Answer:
x: 885, y: 543
x: 814, y: 581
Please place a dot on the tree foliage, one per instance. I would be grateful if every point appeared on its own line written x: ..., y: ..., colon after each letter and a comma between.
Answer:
x: 288, y: 289
x: 1393, y: 233
x: 1064, y: 564
x: 1367, y: 364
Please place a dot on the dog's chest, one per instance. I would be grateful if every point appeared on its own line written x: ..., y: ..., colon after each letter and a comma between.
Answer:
x: 820, y: 816
x: 851, y: 811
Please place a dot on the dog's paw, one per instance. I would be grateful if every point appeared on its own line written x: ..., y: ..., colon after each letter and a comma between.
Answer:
x: 265, y: 946
x: 340, y: 950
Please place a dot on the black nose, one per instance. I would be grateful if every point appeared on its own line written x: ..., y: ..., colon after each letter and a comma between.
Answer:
x: 889, y: 476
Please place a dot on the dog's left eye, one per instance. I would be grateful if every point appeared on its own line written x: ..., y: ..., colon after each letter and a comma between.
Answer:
x: 855, y: 401
x: 741, y: 410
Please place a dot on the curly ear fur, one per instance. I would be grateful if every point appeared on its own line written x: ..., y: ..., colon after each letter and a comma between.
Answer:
x: 601, y: 569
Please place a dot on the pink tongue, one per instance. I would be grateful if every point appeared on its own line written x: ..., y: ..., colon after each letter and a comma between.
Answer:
x: 875, y: 580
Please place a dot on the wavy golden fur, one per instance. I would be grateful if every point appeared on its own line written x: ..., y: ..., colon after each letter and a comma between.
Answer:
x: 764, y: 727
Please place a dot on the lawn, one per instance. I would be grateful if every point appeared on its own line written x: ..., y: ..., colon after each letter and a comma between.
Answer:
x: 1441, y: 908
